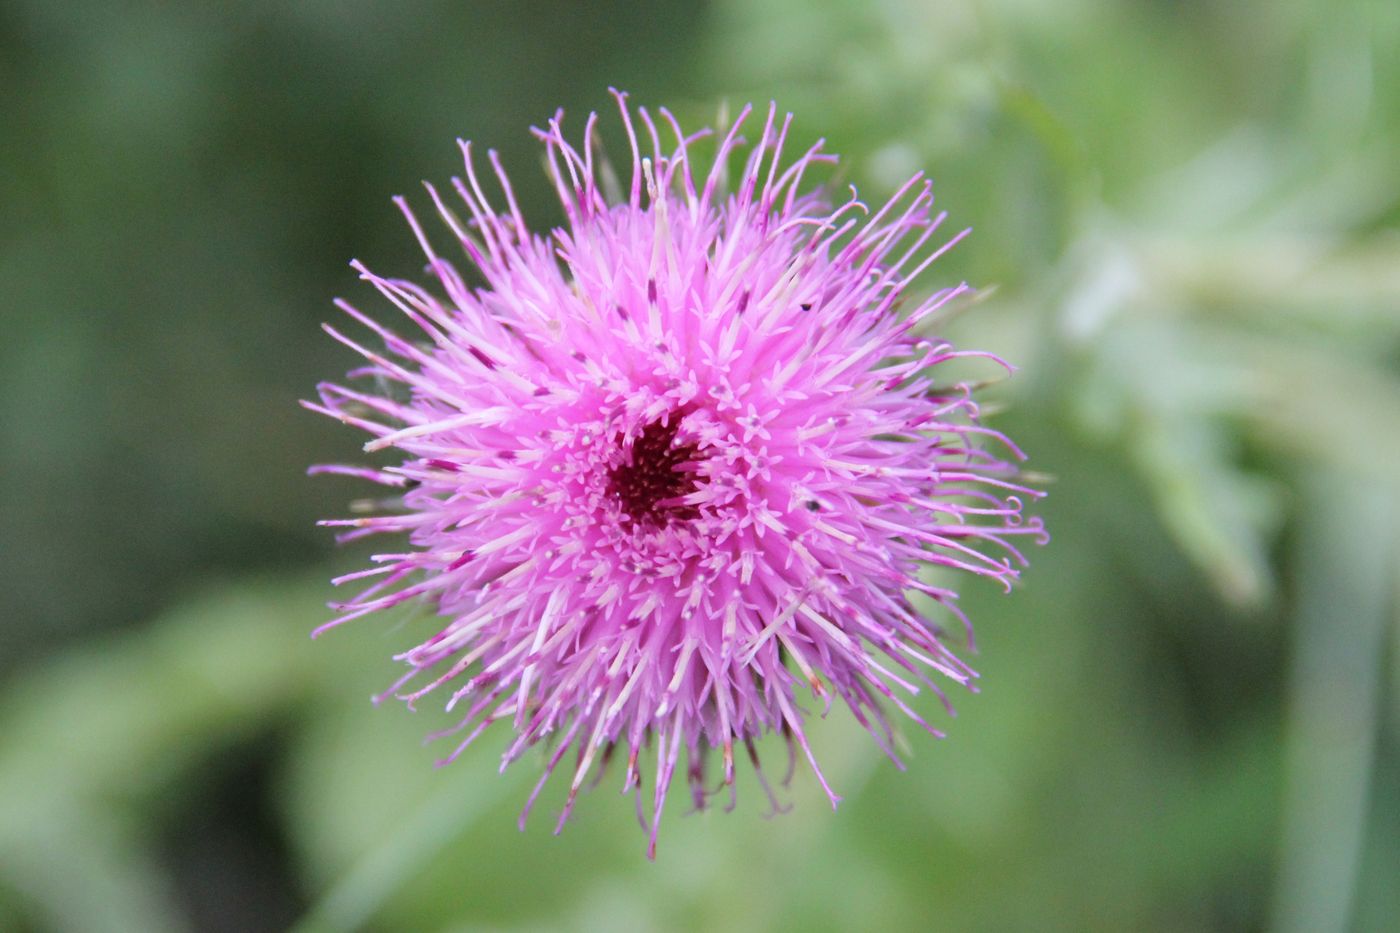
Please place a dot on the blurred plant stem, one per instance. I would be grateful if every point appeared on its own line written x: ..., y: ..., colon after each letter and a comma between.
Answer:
x: 444, y: 817
x: 1345, y: 557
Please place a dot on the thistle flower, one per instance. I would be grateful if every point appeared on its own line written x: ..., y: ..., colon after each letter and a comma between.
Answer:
x: 671, y: 466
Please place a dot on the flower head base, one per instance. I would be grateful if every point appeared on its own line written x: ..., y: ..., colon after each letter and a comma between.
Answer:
x: 676, y: 462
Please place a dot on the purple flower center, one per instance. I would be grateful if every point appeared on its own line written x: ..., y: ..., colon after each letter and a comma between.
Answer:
x: 652, y: 478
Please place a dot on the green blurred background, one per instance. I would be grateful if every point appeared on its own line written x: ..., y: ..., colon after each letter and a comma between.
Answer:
x: 1186, y: 234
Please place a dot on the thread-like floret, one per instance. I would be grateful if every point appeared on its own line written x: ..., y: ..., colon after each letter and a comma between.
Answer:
x: 676, y: 460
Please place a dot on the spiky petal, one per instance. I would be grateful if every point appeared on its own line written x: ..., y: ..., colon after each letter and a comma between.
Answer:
x: 677, y: 462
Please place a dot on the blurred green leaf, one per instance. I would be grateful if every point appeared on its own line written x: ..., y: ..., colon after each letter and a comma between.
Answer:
x: 93, y: 743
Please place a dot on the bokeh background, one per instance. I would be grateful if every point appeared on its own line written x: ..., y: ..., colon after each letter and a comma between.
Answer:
x: 1186, y: 234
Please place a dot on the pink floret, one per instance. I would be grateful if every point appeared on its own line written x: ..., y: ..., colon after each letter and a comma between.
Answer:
x: 676, y: 462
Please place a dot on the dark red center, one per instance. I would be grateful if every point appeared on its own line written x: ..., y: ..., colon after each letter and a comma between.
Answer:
x: 649, y: 478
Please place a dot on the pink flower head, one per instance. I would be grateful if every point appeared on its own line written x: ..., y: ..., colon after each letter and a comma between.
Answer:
x: 673, y: 464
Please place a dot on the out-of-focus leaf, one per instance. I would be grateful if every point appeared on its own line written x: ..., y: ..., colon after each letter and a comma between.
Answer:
x: 91, y: 742
x: 81, y: 871
x: 440, y: 819
x: 1218, y: 515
